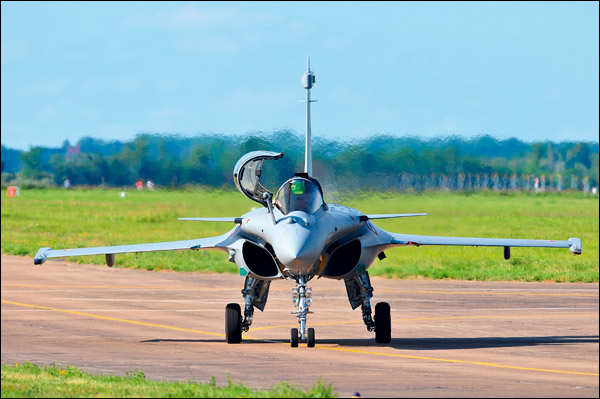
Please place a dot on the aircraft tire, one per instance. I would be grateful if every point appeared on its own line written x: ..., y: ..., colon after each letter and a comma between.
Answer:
x: 294, y: 337
x: 233, y: 323
x: 310, y: 342
x: 383, y: 323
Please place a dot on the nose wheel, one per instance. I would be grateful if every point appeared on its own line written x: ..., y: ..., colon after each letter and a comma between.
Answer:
x: 302, y: 299
x: 310, y: 338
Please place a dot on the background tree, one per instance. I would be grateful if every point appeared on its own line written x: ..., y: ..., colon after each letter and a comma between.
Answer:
x: 379, y: 162
x: 32, y: 163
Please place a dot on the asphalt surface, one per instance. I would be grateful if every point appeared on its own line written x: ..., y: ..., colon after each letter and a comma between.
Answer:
x: 450, y: 338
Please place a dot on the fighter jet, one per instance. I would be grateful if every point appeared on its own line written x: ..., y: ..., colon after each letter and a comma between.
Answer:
x: 297, y: 235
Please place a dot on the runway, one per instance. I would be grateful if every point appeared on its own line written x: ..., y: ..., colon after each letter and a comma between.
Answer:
x: 450, y: 338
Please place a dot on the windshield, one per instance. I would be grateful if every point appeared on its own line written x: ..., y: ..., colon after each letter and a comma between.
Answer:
x: 299, y: 194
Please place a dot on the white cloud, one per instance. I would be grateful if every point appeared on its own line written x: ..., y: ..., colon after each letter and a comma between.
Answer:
x: 210, y: 29
x: 211, y: 43
x: 190, y: 18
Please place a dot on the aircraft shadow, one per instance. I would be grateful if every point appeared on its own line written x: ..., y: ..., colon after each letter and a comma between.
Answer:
x: 420, y: 343
x: 209, y: 340
x: 423, y: 344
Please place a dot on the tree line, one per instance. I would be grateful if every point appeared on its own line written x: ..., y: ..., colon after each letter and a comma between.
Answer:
x: 378, y: 162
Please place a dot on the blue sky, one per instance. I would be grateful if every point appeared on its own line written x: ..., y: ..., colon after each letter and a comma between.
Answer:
x: 113, y: 70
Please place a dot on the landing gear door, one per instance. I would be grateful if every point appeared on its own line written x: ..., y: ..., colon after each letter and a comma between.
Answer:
x: 247, y: 171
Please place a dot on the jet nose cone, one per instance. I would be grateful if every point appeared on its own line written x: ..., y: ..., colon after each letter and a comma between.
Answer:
x: 297, y: 255
x: 297, y: 249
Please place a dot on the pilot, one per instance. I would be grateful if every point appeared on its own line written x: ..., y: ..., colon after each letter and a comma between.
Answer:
x: 300, y: 196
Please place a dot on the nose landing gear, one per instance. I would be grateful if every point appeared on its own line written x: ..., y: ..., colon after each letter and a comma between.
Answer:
x: 302, y: 299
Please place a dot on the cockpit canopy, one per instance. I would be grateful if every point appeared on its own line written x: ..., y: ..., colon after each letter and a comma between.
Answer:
x: 299, y: 194
x: 247, y: 172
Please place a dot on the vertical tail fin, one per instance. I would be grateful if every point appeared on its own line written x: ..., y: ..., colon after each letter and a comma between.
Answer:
x: 308, y: 80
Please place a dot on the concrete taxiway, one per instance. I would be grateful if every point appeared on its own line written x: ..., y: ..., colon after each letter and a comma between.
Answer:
x: 450, y: 338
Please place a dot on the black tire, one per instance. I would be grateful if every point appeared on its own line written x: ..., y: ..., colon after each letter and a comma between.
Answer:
x: 294, y: 337
x: 310, y: 342
x: 233, y: 323
x: 383, y: 323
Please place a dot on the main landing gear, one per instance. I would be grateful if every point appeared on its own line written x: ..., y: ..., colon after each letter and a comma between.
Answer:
x: 233, y: 323
x: 360, y: 291
x: 255, y: 294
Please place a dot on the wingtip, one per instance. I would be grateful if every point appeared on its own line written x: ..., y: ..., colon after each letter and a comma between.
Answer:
x: 40, y: 257
x: 575, y: 246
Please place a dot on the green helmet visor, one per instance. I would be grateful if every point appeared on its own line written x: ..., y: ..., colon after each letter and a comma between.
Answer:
x: 298, y: 187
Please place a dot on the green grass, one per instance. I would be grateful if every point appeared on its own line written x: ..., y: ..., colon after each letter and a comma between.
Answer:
x: 497, y: 215
x: 30, y: 381
x: 60, y: 218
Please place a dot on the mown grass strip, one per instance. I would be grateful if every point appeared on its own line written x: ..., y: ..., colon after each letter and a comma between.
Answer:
x: 30, y: 381
x: 96, y: 217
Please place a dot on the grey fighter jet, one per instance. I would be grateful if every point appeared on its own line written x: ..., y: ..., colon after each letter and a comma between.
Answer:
x: 297, y: 235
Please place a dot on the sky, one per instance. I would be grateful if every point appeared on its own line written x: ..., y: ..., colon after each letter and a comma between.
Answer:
x: 112, y: 70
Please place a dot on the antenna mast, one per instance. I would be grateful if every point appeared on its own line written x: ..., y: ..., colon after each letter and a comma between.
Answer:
x: 308, y: 80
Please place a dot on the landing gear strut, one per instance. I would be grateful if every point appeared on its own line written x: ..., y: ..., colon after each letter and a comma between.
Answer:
x: 302, y: 299
x: 360, y: 291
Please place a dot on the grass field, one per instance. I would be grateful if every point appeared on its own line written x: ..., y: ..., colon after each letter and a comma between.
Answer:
x: 29, y: 381
x: 60, y: 218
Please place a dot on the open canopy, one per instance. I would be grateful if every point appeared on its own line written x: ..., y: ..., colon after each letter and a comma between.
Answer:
x: 247, y: 172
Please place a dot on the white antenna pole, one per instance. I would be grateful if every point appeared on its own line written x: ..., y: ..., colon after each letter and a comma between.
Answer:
x: 308, y: 80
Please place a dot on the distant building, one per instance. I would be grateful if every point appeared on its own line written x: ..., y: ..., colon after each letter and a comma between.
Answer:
x: 71, y: 151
